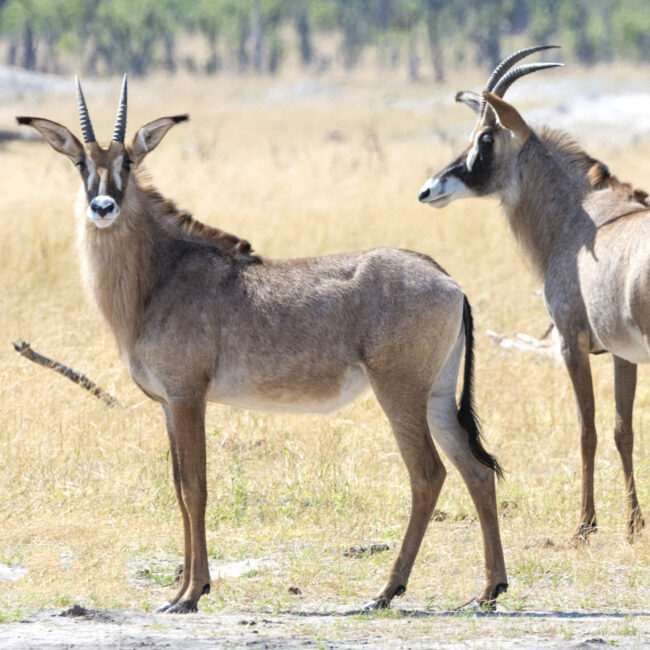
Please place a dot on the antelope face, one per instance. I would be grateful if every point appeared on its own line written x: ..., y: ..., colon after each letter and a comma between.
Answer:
x: 105, y: 174
x: 487, y: 165
x: 105, y: 171
x: 471, y: 174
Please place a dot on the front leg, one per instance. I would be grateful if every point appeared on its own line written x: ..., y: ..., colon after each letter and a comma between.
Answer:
x: 185, y: 576
x: 187, y: 439
x: 575, y: 352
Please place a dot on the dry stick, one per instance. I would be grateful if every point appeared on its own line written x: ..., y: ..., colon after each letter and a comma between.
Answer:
x: 25, y: 350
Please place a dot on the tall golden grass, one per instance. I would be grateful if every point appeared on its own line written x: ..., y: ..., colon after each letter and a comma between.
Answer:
x: 86, y: 496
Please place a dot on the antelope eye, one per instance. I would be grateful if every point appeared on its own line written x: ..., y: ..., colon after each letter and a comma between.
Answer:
x: 486, y: 138
x: 82, y: 165
x: 126, y: 165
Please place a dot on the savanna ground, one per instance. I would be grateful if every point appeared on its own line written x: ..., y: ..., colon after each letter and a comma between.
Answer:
x: 299, y: 168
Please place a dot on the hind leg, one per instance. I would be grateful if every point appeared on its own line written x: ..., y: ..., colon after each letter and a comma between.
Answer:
x: 625, y: 386
x: 426, y: 472
x: 454, y: 441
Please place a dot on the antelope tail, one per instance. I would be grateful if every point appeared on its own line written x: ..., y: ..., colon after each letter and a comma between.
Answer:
x: 466, y: 415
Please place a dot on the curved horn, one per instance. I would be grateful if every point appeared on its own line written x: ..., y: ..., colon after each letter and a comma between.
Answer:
x: 120, y: 122
x: 512, y: 75
x: 506, y: 64
x: 84, y: 118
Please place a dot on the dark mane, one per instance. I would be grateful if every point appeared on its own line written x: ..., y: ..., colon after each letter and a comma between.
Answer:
x: 566, y: 151
x: 183, y: 225
x: 183, y: 222
x: 601, y: 178
x: 570, y: 155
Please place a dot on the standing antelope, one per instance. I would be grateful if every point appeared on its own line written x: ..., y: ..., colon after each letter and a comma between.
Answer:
x: 198, y: 317
x: 586, y: 234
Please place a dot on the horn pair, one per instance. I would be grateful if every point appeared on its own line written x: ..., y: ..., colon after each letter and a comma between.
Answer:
x: 86, y: 125
x: 503, y: 77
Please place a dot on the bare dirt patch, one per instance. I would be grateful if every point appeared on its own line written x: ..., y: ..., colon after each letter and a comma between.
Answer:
x: 78, y: 627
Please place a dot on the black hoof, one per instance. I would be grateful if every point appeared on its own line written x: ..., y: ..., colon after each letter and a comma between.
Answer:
x: 375, y: 605
x: 163, y: 608
x: 487, y: 602
x: 635, y: 525
x: 382, y: 602
x: 182, y: 607
x: 584, y: 531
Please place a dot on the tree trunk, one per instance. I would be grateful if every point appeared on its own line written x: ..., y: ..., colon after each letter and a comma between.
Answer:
x: 169, y: 43
x: 584, y: 48
x: 242, y: 53
x: 29, y: 49
x: 258, y: 36
x: 413, y: 58
x: 213, y: 64
x: 12, y: 52
x: 434, y: 8
x: 303, y: 29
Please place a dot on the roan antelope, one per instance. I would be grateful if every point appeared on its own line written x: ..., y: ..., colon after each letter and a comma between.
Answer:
x: 198, y: 317
x: 585, y: 234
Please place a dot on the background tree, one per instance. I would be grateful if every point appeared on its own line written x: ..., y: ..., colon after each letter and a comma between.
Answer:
x: 258, y: 36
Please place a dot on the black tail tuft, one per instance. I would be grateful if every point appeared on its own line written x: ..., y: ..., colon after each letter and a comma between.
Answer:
x: 466, y: 416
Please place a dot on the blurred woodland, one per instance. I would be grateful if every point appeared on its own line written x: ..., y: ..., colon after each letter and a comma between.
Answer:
x: 425, y: 38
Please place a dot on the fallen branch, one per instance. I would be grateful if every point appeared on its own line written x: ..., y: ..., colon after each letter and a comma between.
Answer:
x: 25, y: 350
x: 526, y: 343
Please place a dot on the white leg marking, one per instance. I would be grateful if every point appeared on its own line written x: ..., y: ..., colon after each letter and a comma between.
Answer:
x: 442, y: 416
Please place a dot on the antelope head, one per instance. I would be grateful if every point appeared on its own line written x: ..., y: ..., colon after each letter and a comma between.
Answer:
x: 498, y: 138
x: 105, y: 171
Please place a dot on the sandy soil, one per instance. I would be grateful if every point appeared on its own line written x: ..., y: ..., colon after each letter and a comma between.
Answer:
x: 78, y: 628
x: 594, y: 113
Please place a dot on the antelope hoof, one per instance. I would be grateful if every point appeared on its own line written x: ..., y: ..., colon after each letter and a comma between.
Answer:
x: 182, y: 607
x: 584, y: 530
x: 635, y: 525
x: 487, y: 602
x: 382, y: 601
x: 163, y: 608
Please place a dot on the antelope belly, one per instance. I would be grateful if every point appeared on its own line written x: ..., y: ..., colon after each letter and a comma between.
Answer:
x: 629, y: 345
x: 294, y: 399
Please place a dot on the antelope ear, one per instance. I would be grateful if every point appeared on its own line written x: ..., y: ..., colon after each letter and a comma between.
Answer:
x: 509, y: 117
x: 469, y: 98
x: 56, y: 135
x: 149, y: 136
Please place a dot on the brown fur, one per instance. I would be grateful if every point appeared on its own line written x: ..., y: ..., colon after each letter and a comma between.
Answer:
x: 587, y: 235
x: 195, y: 321
x: 182, y: 224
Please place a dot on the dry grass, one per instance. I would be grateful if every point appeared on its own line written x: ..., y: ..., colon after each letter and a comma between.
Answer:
x: 86, y: 492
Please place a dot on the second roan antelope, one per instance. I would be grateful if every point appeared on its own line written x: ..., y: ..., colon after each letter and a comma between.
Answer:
x: 587, y: 236
x: 197, y: 318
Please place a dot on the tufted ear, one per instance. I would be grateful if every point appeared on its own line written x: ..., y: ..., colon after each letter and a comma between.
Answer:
x: 149, y: 136
x: 509, y: 117
x: 469, y: 98
x: 57, y: 136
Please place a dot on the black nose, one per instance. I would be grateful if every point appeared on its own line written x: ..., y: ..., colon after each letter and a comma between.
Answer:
x: 424, y: 194
x: 102, y: 207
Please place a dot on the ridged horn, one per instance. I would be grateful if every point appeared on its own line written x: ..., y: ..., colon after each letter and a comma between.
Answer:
x: 84, y: 118
x: 512, y: 75
x: 120, y: 123
x: 506, y: 64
